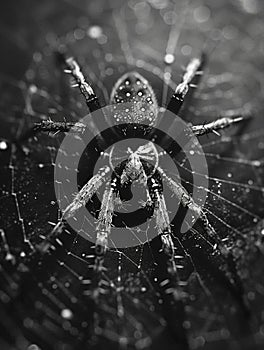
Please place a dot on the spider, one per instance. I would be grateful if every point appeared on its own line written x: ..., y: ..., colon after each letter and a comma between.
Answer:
x: 133, y: 88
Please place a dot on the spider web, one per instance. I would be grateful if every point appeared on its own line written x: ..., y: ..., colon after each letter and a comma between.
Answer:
x: 47, y: 304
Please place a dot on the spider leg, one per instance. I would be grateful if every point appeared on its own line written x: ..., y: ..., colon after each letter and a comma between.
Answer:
x: 169, y: 288
x: 4, y: 248
x: 51, y: 126
x: 192, y: 71
x: 163, y: 226
x: 73, y: 68
x: 79, y: 201
x: 104, y: 224
x: 92, y: 102
x: 49, y: 241
x: 103, y: 230
x: 210, y: 235
x: 224, y: 121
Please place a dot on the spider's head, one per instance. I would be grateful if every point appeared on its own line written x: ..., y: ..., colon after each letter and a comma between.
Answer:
x: 134, y: 99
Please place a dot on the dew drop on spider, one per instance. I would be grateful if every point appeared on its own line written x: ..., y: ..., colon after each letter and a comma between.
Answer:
x: 134, y: 90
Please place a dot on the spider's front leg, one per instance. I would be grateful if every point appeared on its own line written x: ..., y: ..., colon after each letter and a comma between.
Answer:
x: 73, y: 68
x: 92, y: 102
x: 226, y: 119
x: 192, y: 71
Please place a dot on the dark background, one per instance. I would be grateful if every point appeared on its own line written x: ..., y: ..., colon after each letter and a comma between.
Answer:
x: 134, y: 37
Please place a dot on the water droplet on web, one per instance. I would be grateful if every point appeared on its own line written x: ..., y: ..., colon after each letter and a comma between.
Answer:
x: 3, y: 145
x: 79, y: 34
x: 108, y: 57
x: 167, y: 76
x: 66, y: 313
x: 229, y: 32
x: 33, y: 347
x: 186, y: 50
x: 250, y: 6
x: 256, y: 163
x: 95, y: 32
x: 201, y: 14
x: 170, y: 17
x: 33, y: 89
x: 123, y: 341
x: 169, y: 58
x: 37, y: 56
x: 102, y: 39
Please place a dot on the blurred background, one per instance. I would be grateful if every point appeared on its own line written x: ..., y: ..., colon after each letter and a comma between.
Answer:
x: 45, y: 305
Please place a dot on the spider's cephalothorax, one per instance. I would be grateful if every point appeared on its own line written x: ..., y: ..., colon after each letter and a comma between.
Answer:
x: 142, y: 164
x: 135, y: 94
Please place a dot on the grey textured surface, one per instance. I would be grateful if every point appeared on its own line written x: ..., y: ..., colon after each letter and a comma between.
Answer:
x: 133, y: 35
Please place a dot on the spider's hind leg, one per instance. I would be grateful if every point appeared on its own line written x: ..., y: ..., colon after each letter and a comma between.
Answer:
x: 103, y: 230
x: 46, y: 244
x: 104, y: 224
x: 231, y: 279
x: 169, y: 281
x: 79, y: 201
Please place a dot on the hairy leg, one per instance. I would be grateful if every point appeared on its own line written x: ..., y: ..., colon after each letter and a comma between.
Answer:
x: 208, y: 233
x: 79, y: 201
x: 103, y: 230
x: 104, y: 224
x: 193, y: 69
x: 226, y: 119
x: 73, y: 68
x: 92, y: 102
x: 168, y: 265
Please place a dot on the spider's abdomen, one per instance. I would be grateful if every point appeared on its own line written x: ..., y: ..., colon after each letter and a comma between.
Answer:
x: 134, y: 99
